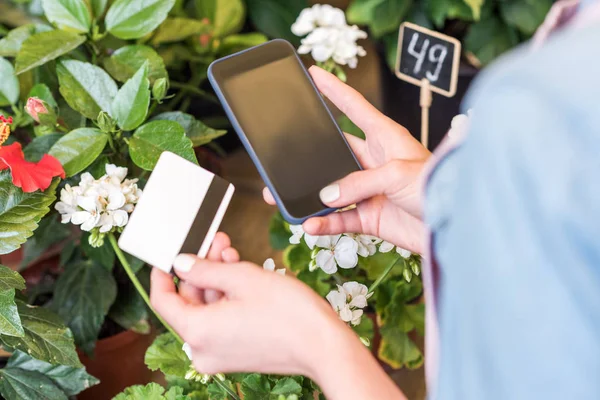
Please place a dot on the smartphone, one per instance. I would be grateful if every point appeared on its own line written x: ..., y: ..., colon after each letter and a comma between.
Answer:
x: 284, y: 124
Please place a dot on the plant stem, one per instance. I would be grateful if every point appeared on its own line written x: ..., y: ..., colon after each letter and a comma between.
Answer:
x: 226, y: 389
x: 185, y: 87
x: 138, y: 285
x: 384, y: 274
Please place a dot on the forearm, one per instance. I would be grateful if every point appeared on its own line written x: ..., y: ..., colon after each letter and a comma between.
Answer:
x: 345, y: 368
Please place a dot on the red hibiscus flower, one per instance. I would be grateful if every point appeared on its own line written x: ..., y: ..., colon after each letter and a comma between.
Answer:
x: 29, y: 176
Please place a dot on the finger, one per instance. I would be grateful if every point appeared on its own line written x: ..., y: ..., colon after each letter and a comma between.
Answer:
x: 359, y: 149
x: 350, y: 102
x: 165, y: 300
x: 334, y: 224
x: 229, y: 278
x: 220, y: 243
x: 229, y: 255
x: 391, y: 178
x: 191, y: 294
x: 268, y: 196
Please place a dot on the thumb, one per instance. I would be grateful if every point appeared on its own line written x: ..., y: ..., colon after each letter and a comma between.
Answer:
x: 362, y: 185
x: 230, y: 278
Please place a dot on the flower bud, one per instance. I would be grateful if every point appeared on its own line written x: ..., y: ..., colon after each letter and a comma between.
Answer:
x: 160, y: 88
x: 220, y: 377
x: 204, y: 39
x: 36, y: 107
x: 365, y: 341
x: 105, y: 122
x: 96, y: 238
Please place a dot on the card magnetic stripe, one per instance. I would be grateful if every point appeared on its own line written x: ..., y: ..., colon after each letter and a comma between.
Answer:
x: 208, y: 216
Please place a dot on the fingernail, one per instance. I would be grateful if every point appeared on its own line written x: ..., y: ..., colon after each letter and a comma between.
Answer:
x: 184, y: 262
x: 330, y: 193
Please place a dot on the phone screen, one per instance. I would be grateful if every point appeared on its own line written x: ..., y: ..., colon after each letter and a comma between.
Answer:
x: 287, y: 125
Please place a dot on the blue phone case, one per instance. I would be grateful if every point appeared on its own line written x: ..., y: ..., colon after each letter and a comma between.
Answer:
x: 234, y: 122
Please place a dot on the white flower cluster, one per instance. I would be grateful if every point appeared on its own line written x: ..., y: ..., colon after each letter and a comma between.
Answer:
x: 103, y: 203
x: 333, y: 251
x: 349, y: 300
x: 329, y: 36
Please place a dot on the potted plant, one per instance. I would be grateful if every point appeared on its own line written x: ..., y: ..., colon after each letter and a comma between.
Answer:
x: 486, y: 28
x: 91, y: 93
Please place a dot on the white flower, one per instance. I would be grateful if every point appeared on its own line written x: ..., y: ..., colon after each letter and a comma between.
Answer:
x: 89, y: 215
x: 311, y: 240
x: 349, y: 300
x: 187, y: 349
x: 366, y: 244
x: 329, y: 36
x: 459, y: 127
x: 269, y: 265
x: 340, y: 251
x: 103, y: 203
x: 67, y: 205
x: 386, y: 247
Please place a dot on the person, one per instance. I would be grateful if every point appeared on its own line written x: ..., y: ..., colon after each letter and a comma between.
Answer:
x: 508, y: 232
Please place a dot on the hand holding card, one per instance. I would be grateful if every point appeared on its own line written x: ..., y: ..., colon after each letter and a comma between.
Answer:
x: 180, y: 212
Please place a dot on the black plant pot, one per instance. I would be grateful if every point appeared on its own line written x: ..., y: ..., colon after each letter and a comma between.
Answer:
x: 401, y: 103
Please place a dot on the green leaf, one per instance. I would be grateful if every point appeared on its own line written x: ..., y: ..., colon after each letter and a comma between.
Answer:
x: 225, y: 16
x: 78, y: 149
x: 98, y: 7
x: 68, y: 15
x: 46, y: 46
x: 43, y: 92
x: 297, y: 257
x: 20, y: 212
x: 86, y: 87
x: 256, y: 387
x: 376, y: 264
x: 346, y: 125
x: 69, y: 379
x: 178, y: 29
x: 361, y: 11
x: 82, y: 297
x: 526, y: 16
x: 9, y: 84
x: 198, y: 132
x: 234, y: 43
x: 46, y: 337
x: 49, y: 232
x: 275, y: 17
x: 286, y: 387
x: 11, y: 44
x: 489, y: 38
x: 396, y: 348
x: 440, y: 10
x: 150, y: 140
x: 10, y: 323
x: 17, y: 383
x: 476, y: 7
x: 152, y: 391
x: 130, y: 106
x: 103, y: 255
x: 166, y: 355
x: 279, y: 233
x: 132, y: 19
x: 126, y: 61
x: 40, y: 146
x: 129, y: 310
x: 388, y: 15
x: 317, y: 280
x: 215, y: 392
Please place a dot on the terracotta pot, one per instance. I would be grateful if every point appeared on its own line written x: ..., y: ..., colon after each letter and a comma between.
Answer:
x: 12, y: 260
x: 118, y: 363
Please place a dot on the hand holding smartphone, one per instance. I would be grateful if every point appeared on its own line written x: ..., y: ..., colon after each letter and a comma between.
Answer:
x: 284, y: 124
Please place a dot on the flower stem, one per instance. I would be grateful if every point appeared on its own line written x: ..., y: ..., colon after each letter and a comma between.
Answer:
x: 226, y: 389
x: 384, y: 274
x: 138, y: 285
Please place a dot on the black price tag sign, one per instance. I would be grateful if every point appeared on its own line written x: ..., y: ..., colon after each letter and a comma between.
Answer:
x: 426, y: 54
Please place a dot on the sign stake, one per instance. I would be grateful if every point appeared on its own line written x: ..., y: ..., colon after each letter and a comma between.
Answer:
x: 425, y: 103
